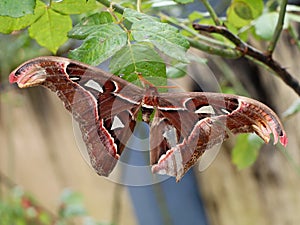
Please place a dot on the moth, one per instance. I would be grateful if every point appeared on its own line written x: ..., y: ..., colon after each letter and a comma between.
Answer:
x: 182, y: 125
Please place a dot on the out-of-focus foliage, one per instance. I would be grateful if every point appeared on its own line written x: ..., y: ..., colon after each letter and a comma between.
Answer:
x: 19, y: 208
x: 246, y: 150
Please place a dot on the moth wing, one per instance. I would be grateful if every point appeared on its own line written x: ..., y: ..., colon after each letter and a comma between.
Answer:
x: 213, y: 117
x: 103, y: 104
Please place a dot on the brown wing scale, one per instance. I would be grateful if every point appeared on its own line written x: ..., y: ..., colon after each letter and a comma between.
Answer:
x: 184, y: 125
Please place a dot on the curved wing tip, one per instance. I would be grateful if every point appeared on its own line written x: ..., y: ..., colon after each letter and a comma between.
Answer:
x: 283, y: 140
x: 12, y: 78
x: 157, y: 169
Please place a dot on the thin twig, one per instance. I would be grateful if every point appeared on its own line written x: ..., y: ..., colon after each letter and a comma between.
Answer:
x: 116, y: 7
x: 278, y: 28
x: 211, y: 12
x: 214, y: 50
x: 203, y: 42
x: 138, y: 5
x: 248, y: 50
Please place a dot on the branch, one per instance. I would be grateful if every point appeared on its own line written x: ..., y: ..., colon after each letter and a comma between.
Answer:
x: 249, y: 51
x: 214, y: 49
x: 202, y: 42
x: 278, y: 28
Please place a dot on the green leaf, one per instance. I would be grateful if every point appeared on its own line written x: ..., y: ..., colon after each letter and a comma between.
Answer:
x: 195, y: 16
x: 44, y: 218
x: 242, y: 12
x: 104, y: 42
x: 176, y: 71
x: 73, y: 6
x: 90, y: 25
x: 9, y: 24
x: 184, y: 1
x: 165, y: 37
x: 179, y: 69
x: 138, y: 58
x: 265, y: 25
x: 135, y: 16
x: 246, y: 150
x: 51, y: 29
x: 16, y: 8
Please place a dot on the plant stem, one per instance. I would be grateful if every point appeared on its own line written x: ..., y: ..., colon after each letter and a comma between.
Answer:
x: 278, y: 28
x: 211, y: 12
x: 249, y: 51
x: 211, y: 49
x: 202, y: 42
x: 116, y: 7
x: 138, y: 5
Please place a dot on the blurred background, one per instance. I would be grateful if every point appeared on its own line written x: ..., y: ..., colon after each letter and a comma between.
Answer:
x: 45, y: 180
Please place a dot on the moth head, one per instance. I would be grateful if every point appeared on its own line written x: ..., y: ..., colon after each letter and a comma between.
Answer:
x: 34, y: 72
x: 28, y: 74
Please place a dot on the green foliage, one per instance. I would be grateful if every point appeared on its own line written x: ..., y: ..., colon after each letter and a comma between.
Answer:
x: 90, y: 25
x: 176, y: 71
x: 21, y: 209
x: 138, y: 57
x: 49, y: 24
x: 165, y: 37
x: 184, y: 1
x: 132, y: 44
x: 100, y: 44
x: 265, y: 25
x: 10, y: 24
x: 50, y: 29
x: 69, y: 7
x: 12, y: 8
x: 242, y: 12
x: 246, y: 150
x: 134, y: 16
x: 260, y: 20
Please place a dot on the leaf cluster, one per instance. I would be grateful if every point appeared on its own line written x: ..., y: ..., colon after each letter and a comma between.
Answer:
x: 257, y: 18
x: 48, y: 24
x: 134, y: 43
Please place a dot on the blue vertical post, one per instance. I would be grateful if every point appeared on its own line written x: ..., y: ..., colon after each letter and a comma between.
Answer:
x: 160, y: 203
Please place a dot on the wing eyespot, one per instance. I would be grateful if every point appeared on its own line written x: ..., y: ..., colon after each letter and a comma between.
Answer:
x: 75, y: 78
x: 94, y: 85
